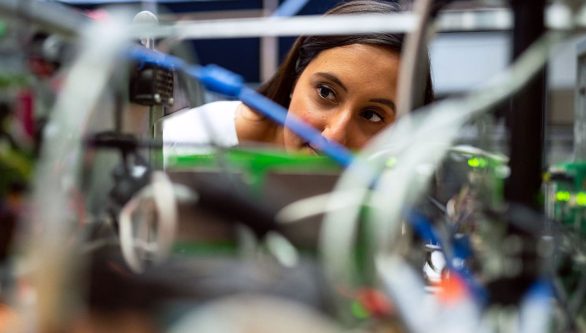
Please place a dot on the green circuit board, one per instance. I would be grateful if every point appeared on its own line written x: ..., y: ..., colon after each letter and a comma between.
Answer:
x: 566, y: 194
x: 254, y: 163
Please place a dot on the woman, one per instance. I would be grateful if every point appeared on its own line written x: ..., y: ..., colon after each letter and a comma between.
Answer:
x: 344, y: 86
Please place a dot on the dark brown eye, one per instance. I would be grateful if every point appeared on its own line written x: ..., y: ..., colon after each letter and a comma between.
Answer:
x: 371, y: 116
x: 326, y: 92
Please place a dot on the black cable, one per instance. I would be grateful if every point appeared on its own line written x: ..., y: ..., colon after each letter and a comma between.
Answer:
x: 437, y: 204
x: 130, y: 142
x: 221, y: 198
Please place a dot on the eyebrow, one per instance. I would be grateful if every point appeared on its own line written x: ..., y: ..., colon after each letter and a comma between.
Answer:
x: 386, y: 102
x: 332, y: 78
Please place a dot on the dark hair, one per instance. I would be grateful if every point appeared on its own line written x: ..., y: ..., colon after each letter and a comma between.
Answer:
x: 306, y: 48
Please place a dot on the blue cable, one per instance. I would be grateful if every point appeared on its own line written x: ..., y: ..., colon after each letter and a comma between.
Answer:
x: 542, y: 288
x: 289, y: 8
x: 220, y: 80
x: 427, y: 232
x: 278, y: 114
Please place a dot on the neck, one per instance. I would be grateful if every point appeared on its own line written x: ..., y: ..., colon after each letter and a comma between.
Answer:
x: 278, y: 137
x: 253, y: 127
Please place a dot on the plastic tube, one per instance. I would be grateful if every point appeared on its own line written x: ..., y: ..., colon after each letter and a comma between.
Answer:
x: 220, y: 80
x: 161, y: 191
x: 474, y: 20
x: 410, y: 95
x: 283, y: 26
x: 401, y: 185
x: 406, y: 289
x: 56, y: 180
x: 418, y: 142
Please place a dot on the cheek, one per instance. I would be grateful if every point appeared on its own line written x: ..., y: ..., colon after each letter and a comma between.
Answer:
x: 305, y: 110
x: 361, y: 137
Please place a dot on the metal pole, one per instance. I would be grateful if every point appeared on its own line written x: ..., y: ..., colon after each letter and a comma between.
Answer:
x: 526, y: 119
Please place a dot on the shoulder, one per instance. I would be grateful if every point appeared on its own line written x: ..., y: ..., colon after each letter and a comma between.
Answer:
x: 209, y: 123
x: 219, y: 109
x: 220, y: 106
x: 214, y: 111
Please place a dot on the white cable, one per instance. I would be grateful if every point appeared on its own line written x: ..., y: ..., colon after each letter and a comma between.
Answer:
x: 475, y: 151
x: 58, y: 169
x: 413, y: 66
x: 282, y: 249
x: 404, y: 285
x: 417, y: 139
x: 167, y: 208
x: 161, y: 191
x: 126, y: 236
x: 401, y: 185
x: 328, y: 202
x: 315, y: 205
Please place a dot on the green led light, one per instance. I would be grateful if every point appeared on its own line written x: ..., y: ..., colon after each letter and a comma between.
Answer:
x: 391, y: 162
x: 581, y: 199
x: 359, y: 311
x: 562, y: 196
x: 476, y: 162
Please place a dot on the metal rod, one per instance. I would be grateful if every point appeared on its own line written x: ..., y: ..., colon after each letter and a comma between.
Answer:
x: 526, y: 118
x: 454, y: 21
x: 65, y: 20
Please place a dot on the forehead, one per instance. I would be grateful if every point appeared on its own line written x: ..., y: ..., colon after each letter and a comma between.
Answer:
x: 358, y: 65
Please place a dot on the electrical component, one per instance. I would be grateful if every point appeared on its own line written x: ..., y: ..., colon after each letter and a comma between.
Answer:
x: 372, y: 212
x: 151, y: 85
x: 565, y: 196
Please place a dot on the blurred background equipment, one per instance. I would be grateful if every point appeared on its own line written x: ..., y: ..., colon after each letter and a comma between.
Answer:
x: 467, y: 215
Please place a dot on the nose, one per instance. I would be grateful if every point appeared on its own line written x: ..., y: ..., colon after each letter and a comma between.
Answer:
x: 337, y: 127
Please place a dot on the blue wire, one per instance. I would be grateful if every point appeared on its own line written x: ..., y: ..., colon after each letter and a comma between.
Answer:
x: 220, y: 80
x: 541, y: 288
x: 278, y: 114
x: 289, y: 8
x: 427, y: 232
x: 156, y: 58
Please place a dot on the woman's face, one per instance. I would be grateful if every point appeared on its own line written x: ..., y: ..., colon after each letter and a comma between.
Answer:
x: 348, y: 93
